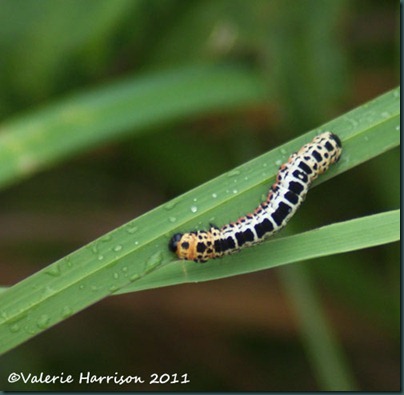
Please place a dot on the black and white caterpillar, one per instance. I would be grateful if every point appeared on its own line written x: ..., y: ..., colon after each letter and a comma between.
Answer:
x: 284, y: 198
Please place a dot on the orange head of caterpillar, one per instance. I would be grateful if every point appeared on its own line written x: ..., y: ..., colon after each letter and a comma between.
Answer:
x: 183, y: 245
x: 193, y: 246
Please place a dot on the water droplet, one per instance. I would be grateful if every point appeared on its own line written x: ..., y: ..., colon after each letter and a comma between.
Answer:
x: 132, y: 229
x: 172, y: 219
x: 278, y: 162
x: 398, y: 127
x: 117, y: 248
x: 366, y: 138
x: 233, y: 173
x: 353, y: 122
x: 214, y: 195
x: 15, y: 328
x: 154, y: 261
x: 100, y: 257
x: 82, y: 286
x: 171, y: 205
x: 194, y: 209
x: 53, y: 270
x: 15, y: 324
x: 95, y: 288
x: 31, y: 330
x: 68, y: 262
x: 283, y: 151
x: 48, y: 290
x: 195, y: 199
x: 43, y: 321
x: 94, y: 248
x: 66, y: 312
x: 235, y: 191
x: 116, y: 275
x: 264, y: 164
x: 113, y: 288
x: 124, y: 269
x: 136, y: 243
x: 385, y: 114
x: 106, y: 238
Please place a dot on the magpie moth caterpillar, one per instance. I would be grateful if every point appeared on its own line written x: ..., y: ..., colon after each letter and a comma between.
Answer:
x: 284, y: 198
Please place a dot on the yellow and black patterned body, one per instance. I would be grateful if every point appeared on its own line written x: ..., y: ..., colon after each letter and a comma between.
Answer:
x: 284, y: 198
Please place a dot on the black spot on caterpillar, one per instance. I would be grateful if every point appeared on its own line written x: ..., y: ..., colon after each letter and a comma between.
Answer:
x: 284, y: 198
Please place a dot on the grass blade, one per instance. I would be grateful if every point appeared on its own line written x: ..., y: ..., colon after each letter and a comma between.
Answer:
x: 324, y: 353
x: 134, y: 256
x: 337, y: 238
x: 34, y: 141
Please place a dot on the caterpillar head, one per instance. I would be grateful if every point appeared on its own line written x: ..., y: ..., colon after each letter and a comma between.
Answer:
x: 173, y: 244
x: 193, y: 246
x: 336, y: 139
x: 331, y: 143
x: 183, y: 245
x: 321, y: 153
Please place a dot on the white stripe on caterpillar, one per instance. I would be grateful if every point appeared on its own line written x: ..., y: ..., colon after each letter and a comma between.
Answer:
x: 284, y: 198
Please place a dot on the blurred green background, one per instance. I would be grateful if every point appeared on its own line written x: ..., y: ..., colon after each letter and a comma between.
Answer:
x: 319, y: 59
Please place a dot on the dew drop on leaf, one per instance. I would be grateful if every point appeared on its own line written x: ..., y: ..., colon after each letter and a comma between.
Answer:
x: 132, y: 229
x: 14, y: 328
x: 171, y: 205
x: 53, y: 270
x: 233, y: 173
x: 117, y: 248
x: 66, y: 312
x: 43, y: 321
x: 154, y: 261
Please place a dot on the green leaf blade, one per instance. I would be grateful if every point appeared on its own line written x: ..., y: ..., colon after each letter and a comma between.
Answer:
x: 135, y: 256
x: 32, y: 142
x: 333, y: 239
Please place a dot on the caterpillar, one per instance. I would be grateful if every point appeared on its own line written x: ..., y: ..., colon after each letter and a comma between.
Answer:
x: 284, y: 198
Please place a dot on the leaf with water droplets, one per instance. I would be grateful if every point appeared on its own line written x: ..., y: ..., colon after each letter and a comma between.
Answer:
x: 39, y: 301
